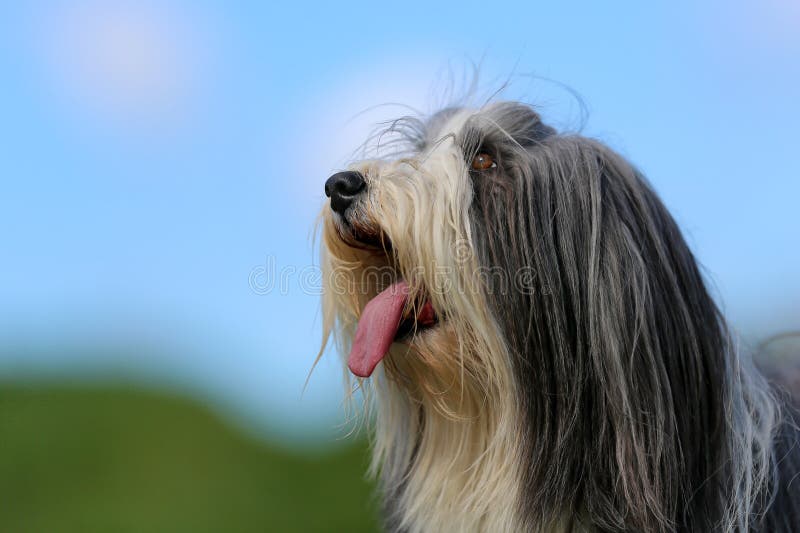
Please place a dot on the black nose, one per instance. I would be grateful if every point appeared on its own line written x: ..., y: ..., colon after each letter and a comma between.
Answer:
x: 342, y: 189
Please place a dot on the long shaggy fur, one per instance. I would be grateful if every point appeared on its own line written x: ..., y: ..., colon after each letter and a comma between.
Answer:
x: 580, y: 378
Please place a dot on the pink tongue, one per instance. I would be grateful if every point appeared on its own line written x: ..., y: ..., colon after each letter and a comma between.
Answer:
x: 377, y: 329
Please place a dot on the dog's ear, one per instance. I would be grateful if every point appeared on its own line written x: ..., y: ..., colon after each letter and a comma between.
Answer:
x: 618, y: 348
x: 656, y: 343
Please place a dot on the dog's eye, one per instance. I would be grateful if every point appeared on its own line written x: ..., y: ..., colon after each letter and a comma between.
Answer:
x: 483, y: 161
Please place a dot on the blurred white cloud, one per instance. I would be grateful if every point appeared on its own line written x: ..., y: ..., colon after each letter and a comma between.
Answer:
x: 338, y: 120
x: 126, y: 62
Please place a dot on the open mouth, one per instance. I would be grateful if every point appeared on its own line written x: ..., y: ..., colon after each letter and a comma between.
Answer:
x: 388, y: 317
x: 391, y: 316
x: 361, y: 236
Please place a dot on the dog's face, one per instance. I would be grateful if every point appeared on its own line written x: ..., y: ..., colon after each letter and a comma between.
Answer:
x: 406, y: 283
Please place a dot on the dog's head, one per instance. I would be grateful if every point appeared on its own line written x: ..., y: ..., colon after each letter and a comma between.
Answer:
x: 522, y: 293
x: 405, y: 243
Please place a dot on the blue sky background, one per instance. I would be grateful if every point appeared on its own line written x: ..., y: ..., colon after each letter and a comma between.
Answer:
x: 153, y: 154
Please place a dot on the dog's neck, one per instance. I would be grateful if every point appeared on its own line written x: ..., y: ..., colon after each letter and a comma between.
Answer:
x: 447, y: 456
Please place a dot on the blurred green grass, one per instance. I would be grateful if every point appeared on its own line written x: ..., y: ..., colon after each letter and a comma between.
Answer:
x: 109, y: 459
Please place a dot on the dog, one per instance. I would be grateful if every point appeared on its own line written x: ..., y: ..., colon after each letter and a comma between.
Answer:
x: 536, y: 346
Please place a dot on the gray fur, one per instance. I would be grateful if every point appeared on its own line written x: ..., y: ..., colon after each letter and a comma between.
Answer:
x: 640, y: 413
